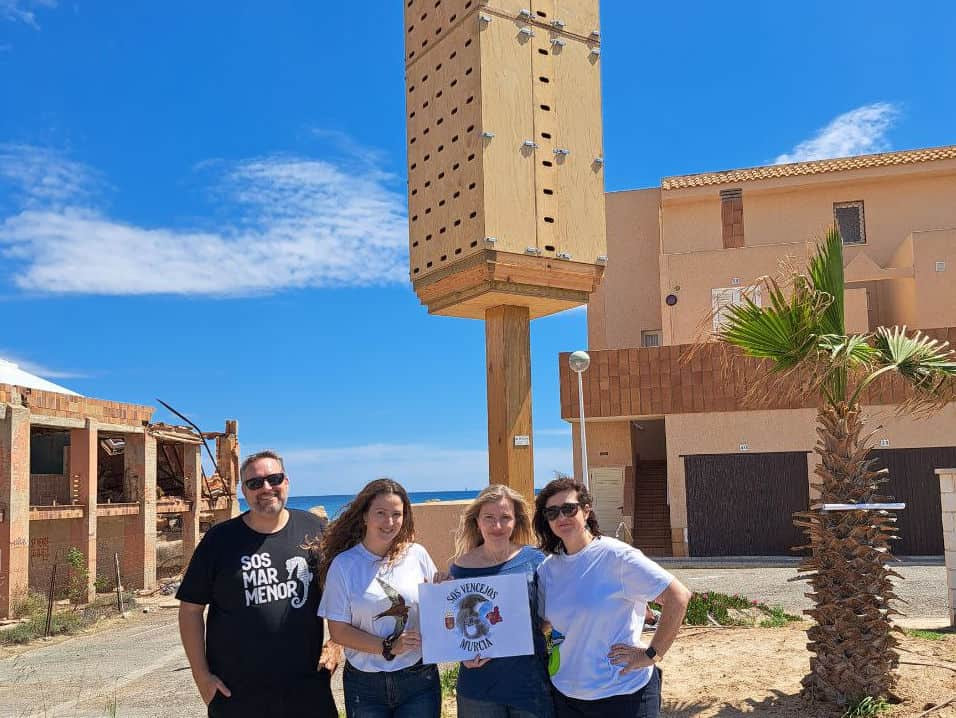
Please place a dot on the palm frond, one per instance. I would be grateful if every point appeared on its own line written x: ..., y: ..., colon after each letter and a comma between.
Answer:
x: 784, y: 331
x: 927, y: 365
x: 826, y: 275
x: 918, y: 359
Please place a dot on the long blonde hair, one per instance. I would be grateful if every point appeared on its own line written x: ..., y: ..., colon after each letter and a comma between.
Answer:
x: 469, y: 535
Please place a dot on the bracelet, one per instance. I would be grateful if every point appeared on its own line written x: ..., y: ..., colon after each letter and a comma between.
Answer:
x: 387, y: 649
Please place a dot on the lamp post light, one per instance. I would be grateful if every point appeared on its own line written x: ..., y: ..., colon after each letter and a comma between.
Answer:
x: 579, y: 362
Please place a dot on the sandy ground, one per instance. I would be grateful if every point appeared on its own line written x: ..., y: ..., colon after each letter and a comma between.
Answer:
x: 717, y: 672
x: 757, y: 672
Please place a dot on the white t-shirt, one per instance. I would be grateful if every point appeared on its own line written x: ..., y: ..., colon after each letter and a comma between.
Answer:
x: 594, y: 599
x: 356, y: 592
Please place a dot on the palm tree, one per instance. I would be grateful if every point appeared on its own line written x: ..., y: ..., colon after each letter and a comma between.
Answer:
x: 801, y: 332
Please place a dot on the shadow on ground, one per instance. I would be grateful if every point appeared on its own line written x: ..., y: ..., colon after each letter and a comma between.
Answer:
x: 779, y: 705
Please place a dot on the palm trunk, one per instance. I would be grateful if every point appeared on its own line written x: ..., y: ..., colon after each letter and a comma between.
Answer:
x: 852, y: 638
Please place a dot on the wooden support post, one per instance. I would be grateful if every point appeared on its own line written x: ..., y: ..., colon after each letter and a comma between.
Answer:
x: 119, y: 584
x: 508, y: 359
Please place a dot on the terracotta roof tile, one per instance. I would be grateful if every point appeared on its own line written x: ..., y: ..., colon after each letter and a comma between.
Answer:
x: 799, y: 169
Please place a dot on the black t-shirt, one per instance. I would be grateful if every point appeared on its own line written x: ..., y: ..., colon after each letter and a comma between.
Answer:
x: 263, y: 593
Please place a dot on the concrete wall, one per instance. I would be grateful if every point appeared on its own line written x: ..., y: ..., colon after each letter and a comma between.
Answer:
x: 50, y: 540
x: 435, y: 526
x: 935, y: 291
x: 609, y: 444
x: 947, y: 488
x: 693, y: 276
x: 627, y: 301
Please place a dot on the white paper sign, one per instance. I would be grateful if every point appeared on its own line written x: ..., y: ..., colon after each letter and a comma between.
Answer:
x: 488, y: 615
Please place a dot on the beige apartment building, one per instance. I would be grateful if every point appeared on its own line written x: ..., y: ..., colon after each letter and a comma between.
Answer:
x: 699, y: 471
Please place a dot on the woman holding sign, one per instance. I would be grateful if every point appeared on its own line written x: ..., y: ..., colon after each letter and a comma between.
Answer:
x: 371, y: 574
x: 492, y: 539
x: 594, y: 592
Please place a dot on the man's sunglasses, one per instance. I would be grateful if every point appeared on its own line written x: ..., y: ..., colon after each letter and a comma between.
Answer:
x: 568, y: 509
x: 256, y: 482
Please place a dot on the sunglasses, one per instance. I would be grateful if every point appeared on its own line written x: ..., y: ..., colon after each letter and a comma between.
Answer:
x: 568, y: 509
x: 256, y: 482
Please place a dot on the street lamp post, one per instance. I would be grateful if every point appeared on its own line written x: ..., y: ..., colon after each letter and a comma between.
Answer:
x: 579, y: 362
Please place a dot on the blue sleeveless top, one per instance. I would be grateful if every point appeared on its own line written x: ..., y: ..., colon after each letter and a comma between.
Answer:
x: 520, y: 682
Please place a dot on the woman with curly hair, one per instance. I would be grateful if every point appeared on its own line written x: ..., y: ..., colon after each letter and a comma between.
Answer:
x: 593, y: 594
x: 492, y: 539
x: 371, y: 573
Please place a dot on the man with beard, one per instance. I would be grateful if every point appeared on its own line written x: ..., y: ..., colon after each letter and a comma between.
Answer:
x: 261, y: 653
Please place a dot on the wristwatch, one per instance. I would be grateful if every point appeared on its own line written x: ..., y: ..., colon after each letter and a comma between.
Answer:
x: 387, y: 648
x: 651, y: 653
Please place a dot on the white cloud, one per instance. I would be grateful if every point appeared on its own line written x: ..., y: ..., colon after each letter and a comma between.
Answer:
x: 45, y: 178
x: 22, y: 10
x: 418, y: 467
x: 298, y: 222
x: 40, y: 370
x: 857, y: 132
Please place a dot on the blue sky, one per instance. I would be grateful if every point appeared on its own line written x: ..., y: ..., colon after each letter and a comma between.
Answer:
x: 204, y: 202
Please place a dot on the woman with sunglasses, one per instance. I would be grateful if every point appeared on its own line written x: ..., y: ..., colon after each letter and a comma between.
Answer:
x: 593, y: 594
x: 492, y: 539
x: 371, y: 573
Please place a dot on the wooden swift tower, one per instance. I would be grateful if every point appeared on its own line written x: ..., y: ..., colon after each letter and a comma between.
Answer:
x: 505, y: 182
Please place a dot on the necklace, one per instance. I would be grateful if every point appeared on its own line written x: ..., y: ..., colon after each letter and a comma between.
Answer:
x: 496, y: 557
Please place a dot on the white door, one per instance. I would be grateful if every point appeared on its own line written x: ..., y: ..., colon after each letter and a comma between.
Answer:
x: 607, y: 489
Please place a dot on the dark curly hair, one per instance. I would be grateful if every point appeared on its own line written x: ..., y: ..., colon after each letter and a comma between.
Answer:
x: 348, y: 529
x: 547, y: 539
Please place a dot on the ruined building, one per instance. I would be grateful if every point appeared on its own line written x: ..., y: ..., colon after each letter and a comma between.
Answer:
x: 101, y: 477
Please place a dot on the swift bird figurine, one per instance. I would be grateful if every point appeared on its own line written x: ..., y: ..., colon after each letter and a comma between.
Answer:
x: 398, y: 610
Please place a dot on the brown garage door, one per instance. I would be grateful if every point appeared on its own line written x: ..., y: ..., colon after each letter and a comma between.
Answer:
x: 743, y: 504
x: 913, y: 480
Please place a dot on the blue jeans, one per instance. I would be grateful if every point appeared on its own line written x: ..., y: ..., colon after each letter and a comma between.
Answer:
x: 645, y: 703
x: 468, y: 708
x: 412, y: 692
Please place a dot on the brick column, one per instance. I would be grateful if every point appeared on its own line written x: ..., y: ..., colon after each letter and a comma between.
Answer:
x: 83, y: 471
x: 947, y: 488
x: 227, y: 457
x: 192, y: 469
x: 14, y: 504
x: 139, y: 553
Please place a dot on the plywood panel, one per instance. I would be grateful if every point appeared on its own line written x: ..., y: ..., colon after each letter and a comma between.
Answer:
x: 427, y: 21
x: 506, y: 111
x: 444, y: 186
x: 580, y: 16
x: 544, y: 10
x: 579, y: 213
x: 543, y: 91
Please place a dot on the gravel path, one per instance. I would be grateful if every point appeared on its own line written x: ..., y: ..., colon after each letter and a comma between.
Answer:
x: 923, y: 587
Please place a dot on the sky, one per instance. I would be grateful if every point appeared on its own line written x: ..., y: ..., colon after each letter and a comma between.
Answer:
x: 205, y: 202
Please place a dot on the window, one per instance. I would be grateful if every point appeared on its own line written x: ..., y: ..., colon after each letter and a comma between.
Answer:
x: 849, y: 220
x: 651, y: 338
x: 732, y: 217
x: 724, y: 297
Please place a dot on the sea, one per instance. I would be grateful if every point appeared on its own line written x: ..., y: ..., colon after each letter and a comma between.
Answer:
x: 334, y: 503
